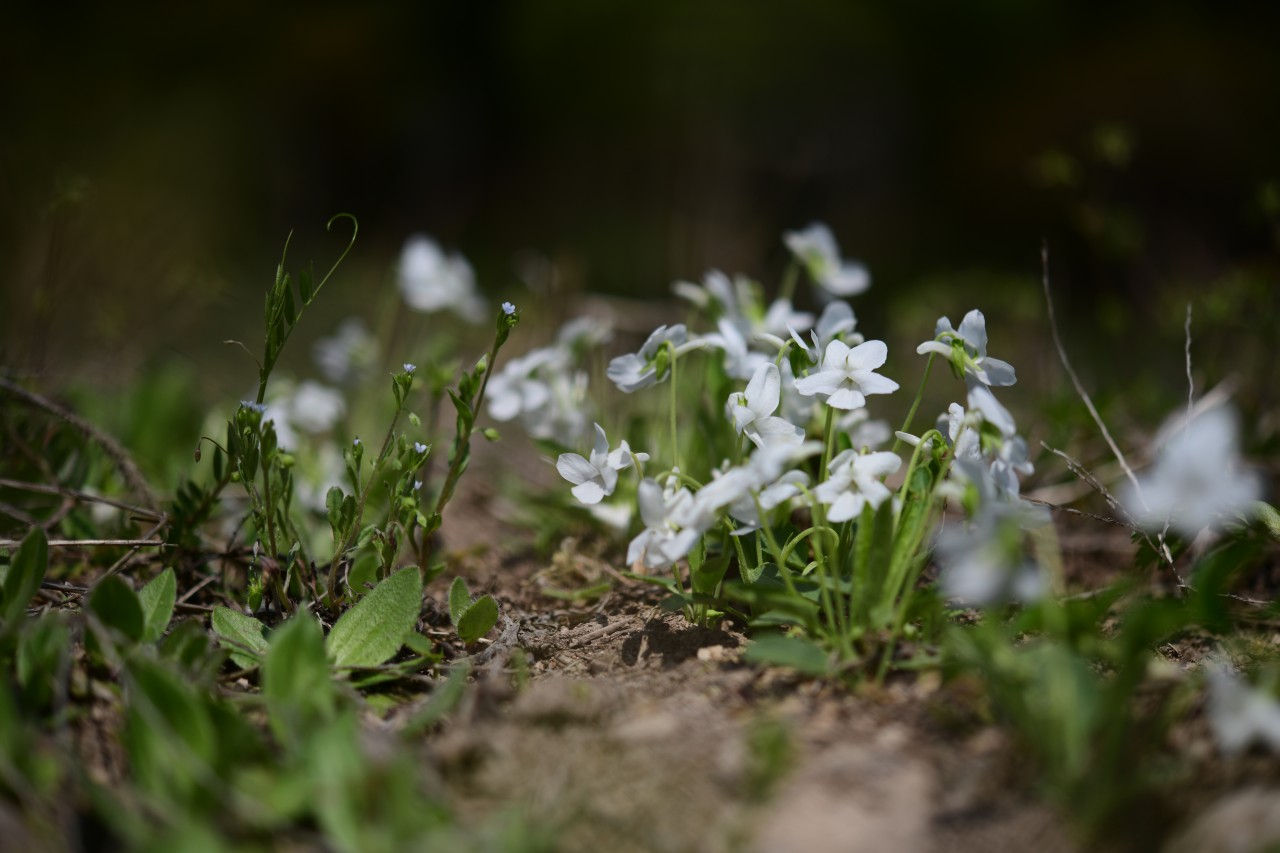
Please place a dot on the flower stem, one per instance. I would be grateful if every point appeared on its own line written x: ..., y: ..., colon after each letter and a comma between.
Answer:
x: 675, y: 437
x: 906, y: 425
x: 789, y: 279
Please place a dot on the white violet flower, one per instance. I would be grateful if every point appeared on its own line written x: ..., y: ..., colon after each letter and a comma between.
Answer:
x: 431, y: 281
x: 856, y: 480
x: 1196, y: 479
x: 315, y: 408
x: 1239, y: 714
x: 847, y: 375
x: 637, y: 370
x: 596, y: 478
x: 967, y: 350
x: 816, y: 248
x: 665, y: 513
x: 752, y: 410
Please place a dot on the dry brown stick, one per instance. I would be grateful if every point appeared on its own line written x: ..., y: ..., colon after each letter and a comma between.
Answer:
x: 132, y: 476
x: 91, y: 543
x: 1088, y: 401
x: 64, y: 491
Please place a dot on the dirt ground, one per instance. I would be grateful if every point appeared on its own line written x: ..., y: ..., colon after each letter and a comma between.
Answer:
x: 624, y: 729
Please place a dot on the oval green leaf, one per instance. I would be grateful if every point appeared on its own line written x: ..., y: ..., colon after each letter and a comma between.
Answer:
x: 242, y: 632
x: 25, y: 574
x: 158, y: 599
x: 115, y: 603
x: 374, y: 630
x: 478, y: 619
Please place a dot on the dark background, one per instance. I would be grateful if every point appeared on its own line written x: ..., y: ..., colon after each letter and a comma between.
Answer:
x: 152, y: 163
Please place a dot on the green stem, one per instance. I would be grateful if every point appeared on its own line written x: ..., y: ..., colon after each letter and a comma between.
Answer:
x: 675, y: 438
x: 906, y: 426
x: 789, y: 279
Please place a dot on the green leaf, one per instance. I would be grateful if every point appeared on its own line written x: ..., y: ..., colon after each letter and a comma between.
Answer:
x: 25, y: 574
x: 158, y: 599
x: 169, y: 732
x: 478, y: 619
x: 459, y: 600
x: 444, y: 698
x: 374, y: 630
x: 115, y: 603
x: 296, y: 679
x: 797, y: 653
x: 1268, y: 517
x: 243, y: 632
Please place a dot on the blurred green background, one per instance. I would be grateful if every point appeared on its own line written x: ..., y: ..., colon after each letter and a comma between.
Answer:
x: 154, y: 160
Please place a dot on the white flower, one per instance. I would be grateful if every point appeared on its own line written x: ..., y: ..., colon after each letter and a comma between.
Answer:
x: 315, y: 408
x: 816, y: 248
x: 752, y: 410
x: 637, y: 370
x: 862, y: 431
x: 747, y: 508
x: 666, y: 537
x: 967, y: 349
x: 583, y: 332
x: 316, y: 473
x: 739, y: 361
x: 348, y: 353
x: 594, y: 478
x: 515, y: 390
x: 431, y: 281
x: 837, y: 321
x: 848, y: 374
x: 1196, y: 479
x: 856, y: 481
x: 985, y: 560
x: 1239, y: 714
x: 739, y: 301
x: 597, y: 477
x: 737, y: 488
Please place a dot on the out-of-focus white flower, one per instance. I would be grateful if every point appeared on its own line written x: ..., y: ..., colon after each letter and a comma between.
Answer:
x: 515, y: 389
x: 583, y: 331
x: 315, y: 408
x: 967, y: 350
x: 739, y: 361
x: 1197, y: 478
x: 848, y: 374
x: 316, y: 473
x: 1239, y: 714
x: 596, y: 478
x: 739, y: 301
x: 431, y: 281
x: 856, y: 480
x: 278, y: 413
x: 350, y: 352
x: 816, y: 248
x: 666, y: 514
x: 862, y: 431
x: 739, y: 487
x: 747, y: 508
x: 637, y: 370
x: 985, y: 561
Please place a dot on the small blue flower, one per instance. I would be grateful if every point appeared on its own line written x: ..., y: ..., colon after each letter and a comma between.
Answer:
x: 419, y: 447
x: 355, y: 442
x: 410, y: 368
x: 260, y: 408
x: 508, y: 308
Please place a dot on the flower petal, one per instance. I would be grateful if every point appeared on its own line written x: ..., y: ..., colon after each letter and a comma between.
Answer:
x: 574, y: 468
x: 846, y: 398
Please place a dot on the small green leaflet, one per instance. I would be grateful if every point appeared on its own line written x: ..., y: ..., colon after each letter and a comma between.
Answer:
x: 158, y: 599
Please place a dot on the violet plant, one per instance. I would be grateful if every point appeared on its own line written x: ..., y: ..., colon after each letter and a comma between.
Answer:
x: 783, y: 484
